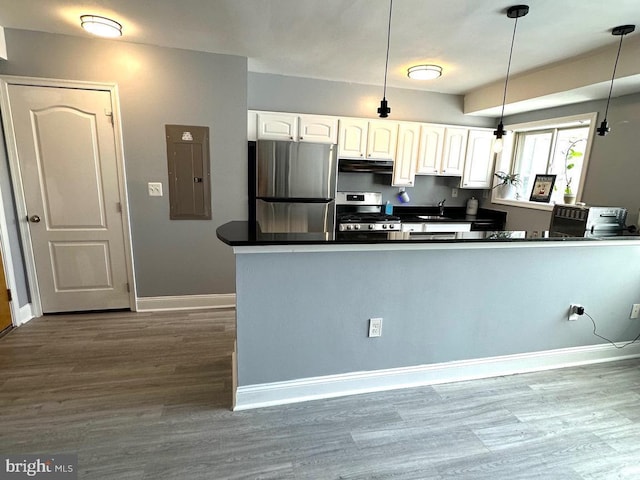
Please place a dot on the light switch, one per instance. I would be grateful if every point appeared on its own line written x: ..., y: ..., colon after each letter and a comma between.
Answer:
x: 155, y: 189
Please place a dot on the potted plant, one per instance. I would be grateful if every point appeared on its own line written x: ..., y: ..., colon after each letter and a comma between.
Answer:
x: 508, y: 185
x: 569, y: 162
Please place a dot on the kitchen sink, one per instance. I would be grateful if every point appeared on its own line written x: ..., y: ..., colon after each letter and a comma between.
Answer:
x: 432, y: 217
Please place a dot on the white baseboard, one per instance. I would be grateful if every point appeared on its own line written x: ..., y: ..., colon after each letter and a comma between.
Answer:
x: 186, y: 302
x: 314, y: 388
x: 24, y: 314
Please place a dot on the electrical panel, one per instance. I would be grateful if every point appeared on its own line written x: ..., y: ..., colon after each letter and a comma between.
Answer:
x: 189, y: 172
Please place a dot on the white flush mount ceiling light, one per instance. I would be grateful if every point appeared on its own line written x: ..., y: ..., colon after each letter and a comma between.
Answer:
x: 101, y: 26
x: 516, y: 12
x: 424, y: 72
x: 621, y: 31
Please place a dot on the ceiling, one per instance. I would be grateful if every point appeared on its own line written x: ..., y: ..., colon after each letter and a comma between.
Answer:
x: 345, y: 40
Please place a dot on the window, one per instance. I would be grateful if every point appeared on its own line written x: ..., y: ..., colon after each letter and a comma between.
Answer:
x: 553, y: 147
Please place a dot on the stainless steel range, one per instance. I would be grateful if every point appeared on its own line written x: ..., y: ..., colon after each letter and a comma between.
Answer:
x: 363, y: 212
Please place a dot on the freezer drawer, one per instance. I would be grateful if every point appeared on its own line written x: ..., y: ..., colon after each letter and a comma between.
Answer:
x: 295, y: 217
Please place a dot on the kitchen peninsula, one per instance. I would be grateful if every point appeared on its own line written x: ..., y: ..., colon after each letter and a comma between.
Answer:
x: 471, y: 305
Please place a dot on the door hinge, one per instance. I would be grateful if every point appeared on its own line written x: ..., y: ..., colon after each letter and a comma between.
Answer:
x: 119, y: 207
x: 128, y: 288
x: 110, y: 115
x: 9, y: 296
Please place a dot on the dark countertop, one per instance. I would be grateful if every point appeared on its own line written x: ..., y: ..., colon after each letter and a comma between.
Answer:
x: 240, y: 233
x: 410, y: 214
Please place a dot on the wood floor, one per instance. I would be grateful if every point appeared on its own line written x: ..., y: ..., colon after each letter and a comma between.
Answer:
x: 147, y: 396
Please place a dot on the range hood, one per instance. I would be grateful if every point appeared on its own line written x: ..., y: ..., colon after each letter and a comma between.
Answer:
x: 365, y: 166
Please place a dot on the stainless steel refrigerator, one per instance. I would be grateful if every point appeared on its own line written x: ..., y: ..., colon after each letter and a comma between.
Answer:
x: 292, y: 186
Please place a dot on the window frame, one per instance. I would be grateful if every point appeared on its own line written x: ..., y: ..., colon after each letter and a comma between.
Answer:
x: 506, y: 160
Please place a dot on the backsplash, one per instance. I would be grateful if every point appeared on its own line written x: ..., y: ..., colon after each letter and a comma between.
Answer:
x: 428, y: 189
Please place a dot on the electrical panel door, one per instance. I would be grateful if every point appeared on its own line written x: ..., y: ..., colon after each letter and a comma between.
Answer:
x: 189, y: 172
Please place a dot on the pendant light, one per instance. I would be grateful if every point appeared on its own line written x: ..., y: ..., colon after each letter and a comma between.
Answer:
x: 621, y: 31
x: 516, y: 12
x: 384, y: 110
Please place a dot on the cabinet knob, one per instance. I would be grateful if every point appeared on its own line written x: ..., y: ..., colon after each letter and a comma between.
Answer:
x: 444, y: 170
x: 301, y: 138
x: 362, y: 155
x: 290, y: 138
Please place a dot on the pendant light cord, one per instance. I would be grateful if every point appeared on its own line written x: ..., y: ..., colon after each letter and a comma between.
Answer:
x: 615, y: 66
x: 506, y: 81
x: 386, y: 63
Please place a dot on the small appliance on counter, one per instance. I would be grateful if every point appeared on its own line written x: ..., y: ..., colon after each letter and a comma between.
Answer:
x: 581, y: 221
x: 358, y: 212
x: 292, y: 186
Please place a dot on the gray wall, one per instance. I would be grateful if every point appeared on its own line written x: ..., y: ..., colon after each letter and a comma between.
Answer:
x: 437, y: 306
x: 614, y: 164
x: 427, y: 190
x: 161, y: 86
x: 304, y: 95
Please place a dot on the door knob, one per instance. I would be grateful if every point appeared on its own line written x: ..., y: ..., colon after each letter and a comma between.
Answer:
x: 34, y: 219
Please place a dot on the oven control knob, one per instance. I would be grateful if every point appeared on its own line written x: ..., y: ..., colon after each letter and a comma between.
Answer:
x: 349, y: 227
x: 356, y: 227
x: 370, y: 227
x: 384, y: 226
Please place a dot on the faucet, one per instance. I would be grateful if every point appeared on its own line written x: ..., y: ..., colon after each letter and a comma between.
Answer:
x: 441, y: 206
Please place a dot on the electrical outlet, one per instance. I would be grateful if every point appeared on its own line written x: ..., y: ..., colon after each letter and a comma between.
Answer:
x: 454, y: 192
x: 155, y: 189
x: 375, y: 327
x: 573, y: 311
x: 635, y: 311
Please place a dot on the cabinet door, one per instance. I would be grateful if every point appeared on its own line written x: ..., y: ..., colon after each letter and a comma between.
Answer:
x: 318, y: 129
x: 277, y: 126
x: 382, y: 140
x: 479, y: 160
x: 353, y: 138
x: 430, y: 153
x: 455, y: 144
x: 404, y: 166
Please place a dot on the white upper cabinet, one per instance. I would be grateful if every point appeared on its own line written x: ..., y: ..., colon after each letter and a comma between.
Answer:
x: 371, y: 139
x: 404, y: 166
x: 318, y: 129
x: 277, y: 126
x: 454, y: 149
x: 352, y: 138
x: 382, y: 140
x: 297, y: 128
x: 479, y: 160
x: 442, y: 150
x: 430, y: 152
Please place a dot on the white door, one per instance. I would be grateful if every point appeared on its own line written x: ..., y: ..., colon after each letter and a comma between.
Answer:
x: 65, y: 144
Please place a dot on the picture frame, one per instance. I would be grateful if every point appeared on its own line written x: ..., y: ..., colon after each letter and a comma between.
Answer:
x: 542, y: 188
